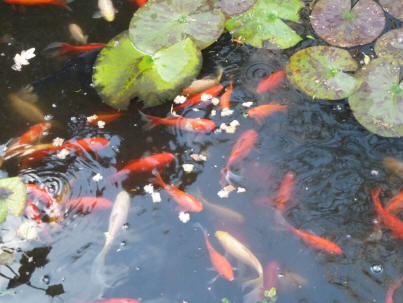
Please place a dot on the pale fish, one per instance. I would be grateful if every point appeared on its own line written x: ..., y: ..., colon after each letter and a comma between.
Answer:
x: 77, y: 33
x: 244, y: 255
x: 106, y: 10
x: 200, y: 85
x: 117, y: 218
x: 23, y: 103
x: 394, y: 165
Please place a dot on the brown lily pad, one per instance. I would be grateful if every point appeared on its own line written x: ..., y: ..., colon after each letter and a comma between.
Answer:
x: 390, y: 45
x: 339, y: 24
x: 393, y: 7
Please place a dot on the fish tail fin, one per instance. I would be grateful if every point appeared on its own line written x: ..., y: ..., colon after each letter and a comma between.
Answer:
x: 118, y: 176
x: 97, y: 269
x: 151, y: 121
x: 254, y: 295
x: 57, y: 49
x: 199, y: 226
x: 157, y: 179
x: 375, y: 199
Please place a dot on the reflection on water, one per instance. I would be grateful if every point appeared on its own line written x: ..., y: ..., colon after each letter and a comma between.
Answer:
x: 156, y: 258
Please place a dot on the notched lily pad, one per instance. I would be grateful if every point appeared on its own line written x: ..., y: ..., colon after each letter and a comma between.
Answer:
x: 13, y: 197
x: 160, y: 24
x: 235, y: 7
x: 115, y: 71
x: 262, y: 25
x: 390, y: 45
x: 393, y: 7
x: 378, y: 104
x: 339, y: 24
x: 320, y: 72
x: 122, y: 72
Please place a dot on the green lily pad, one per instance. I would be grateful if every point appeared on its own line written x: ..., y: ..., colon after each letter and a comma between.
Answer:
x: 262, y: 26
x: 161, y: 23
x: 235, y: 7
x: 122, y: 72
x: 115, y: 72
x: 393, y: 7
x: 378, y: 104
x: 339, y: 24
x: 320, y: 72
x: 163, y: 76
x: 390, y: 45
x: 13, y: 197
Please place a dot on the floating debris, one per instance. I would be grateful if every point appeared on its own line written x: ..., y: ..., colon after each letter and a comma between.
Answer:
x: 22, y: 59
x: 226, y: 112
x: 206, y: 97
x: 187, y: 167
x: 215, y: 101
x: 63, y: 154
x: 241, y: 190
x: 98, y: 177
x: 184, y: 217
x: 180, y: 99
x: 224, y: 192
x: 58, y: 141
x: 156, y: 197
x: 101, y: 124
x: 247, y: 104
x: 91, y: 118
x: 149, y: 188
x: 198, y: 157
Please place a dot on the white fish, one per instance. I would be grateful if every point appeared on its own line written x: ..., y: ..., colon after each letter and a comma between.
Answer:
x: 243, y: 254
x: 77, y: 33
x: 117, y: 218
x: 106, y: 10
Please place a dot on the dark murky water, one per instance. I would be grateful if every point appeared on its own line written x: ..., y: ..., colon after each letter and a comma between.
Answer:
x: 157, y: 258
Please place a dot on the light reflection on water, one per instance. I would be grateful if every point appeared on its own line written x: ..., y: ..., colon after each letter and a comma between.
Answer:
x: 165, y: 260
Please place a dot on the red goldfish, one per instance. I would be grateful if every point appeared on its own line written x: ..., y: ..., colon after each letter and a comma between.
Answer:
x: 196, y: 99
x: 185, y: 201
x: 93, y: 120
x: 38, y: 2
x: 270, y: 276
x: 317, y: 242
x: 271, y: 82
x: 390, y: 221
x: 262, y: 111
x: 87, y: 204
x: 220, y: 263
x: 33, y: 212
x: 226, y: 97
x: 40, y: 193
x: 34, y: 133
x: 396, y: 204
x: 116, y: 300
x: 65, y: 48
x: 193, y: 125
x: 284, y: 192
x: 140, y: 2
x: 242, y: 147
x: 144, y: 165
x: 393, y: 287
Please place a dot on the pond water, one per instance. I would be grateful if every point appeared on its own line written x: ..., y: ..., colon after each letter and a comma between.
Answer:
x: 158, y: 258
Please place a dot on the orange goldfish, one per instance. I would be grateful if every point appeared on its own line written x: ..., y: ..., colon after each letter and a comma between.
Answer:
x: 65, y: 48
x: 271, y: 82
x: 185, y: 201
x: 196, y: 99
x: 93, y: 120
x: 396, y: 204
x: 220, y: 263
x: 390, y: 221
x: 317, y: 242
x: 242, y: 147
x: 193, y: 125
x: 262, y: 111
x: 140, y: 2
x: 34, y: 133
x: 226, y: 97
x: 38, y: 2
x: 87, y: 204
x: 393, y: 287
x: 284, y: 192
x: 144, y: 165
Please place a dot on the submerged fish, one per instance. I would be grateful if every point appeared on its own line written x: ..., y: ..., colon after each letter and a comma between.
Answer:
x: 394, y: 165
x: 23, y: 103
x: 201, y: 85
x: 262, y: 111
x: 198, y: 125
x: 395, y: 205
x: 185, y: 201
x: 116, y: 300
x: 242, y: 147
x: 390, y: 221
x: 222, y: 211
x: 87, y: 204
x: 196, y: 99
x: 93, y: 120
x: 220, y: 263
x: 77, y: 33
x: 271, y: 82
x: 106, y: 10
x: 284, y: 192
x: 38, y: 2
x: 66, y: 48
x: 40, y: 194
x: 144, y: 165
x: 117, y: 218
x: 392, y: 288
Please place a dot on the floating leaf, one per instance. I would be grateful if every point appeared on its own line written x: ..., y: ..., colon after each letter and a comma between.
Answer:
x: 320, y: 72
x: 13, y: 197
x: 160, y: 24
x: 162, y: 76
x: 122, y: 72
x: 339, y: 24
x: 378, y: 104
x: 263, y: 25
x: 393, y: 7
x: 390, y: 45
x: 115, y: 71
x: 6, y: 257
x: 235, y: 7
